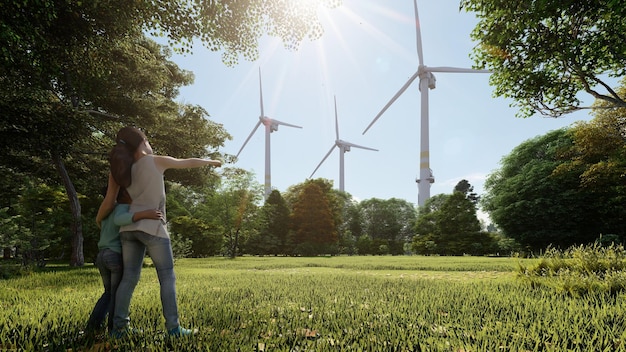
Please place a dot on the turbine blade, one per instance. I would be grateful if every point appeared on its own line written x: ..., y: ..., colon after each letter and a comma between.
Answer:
x: 250, y: 136
x: 418, y: 35
x: 358, y: 146
x: 321, y: 162
x: 395, y: 97
x: 284, y: 123
x: 336, y: 119
x: 455, y: 69
x: 261, y: 93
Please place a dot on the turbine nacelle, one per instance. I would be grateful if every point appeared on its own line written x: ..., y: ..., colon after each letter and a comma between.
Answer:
x: 424, y: 73
x: 273, y: 124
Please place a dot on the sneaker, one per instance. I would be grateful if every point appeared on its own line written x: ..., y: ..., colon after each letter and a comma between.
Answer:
x: 180, y: 331
x: 122, y: 333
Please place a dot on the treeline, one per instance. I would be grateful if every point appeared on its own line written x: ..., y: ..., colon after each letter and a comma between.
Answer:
x: 228, y: 217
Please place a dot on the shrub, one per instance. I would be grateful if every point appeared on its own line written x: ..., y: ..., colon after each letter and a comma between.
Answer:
x: 579, y: 270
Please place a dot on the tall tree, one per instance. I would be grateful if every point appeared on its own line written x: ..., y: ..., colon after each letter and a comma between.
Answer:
x: 544, y: 52
x: 389, y: 223
x: 277, y: 223
x: 458, y: 225
x: 312, y: 220
x: 234, y: 207
x: 448, y: 225
x: 351, y: 228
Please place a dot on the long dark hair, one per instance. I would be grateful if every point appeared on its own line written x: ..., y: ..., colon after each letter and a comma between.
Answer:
x: 122, y: 156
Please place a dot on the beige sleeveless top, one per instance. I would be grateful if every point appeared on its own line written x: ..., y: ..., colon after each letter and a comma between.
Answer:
x: 147, y: 189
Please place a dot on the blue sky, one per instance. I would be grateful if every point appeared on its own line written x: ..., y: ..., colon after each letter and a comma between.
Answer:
x: 366, y: 54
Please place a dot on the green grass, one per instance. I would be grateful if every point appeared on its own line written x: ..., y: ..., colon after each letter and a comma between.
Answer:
x: 322, y: 304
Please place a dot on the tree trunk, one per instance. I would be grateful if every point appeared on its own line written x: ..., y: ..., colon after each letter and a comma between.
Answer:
x: 76, y: 228
x: 235, y: 243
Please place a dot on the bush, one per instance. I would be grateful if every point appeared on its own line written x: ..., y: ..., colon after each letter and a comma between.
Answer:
x: 580, y: 270
x: 10, y: 269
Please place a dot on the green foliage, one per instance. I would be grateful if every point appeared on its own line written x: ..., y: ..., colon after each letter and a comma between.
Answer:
x: 447, y: 224
x: 312, y: 220
x: 275, y: 225
x: 543, y: 53
x: 389, y: 223
x: 321, y: 304
x: 181, y: 247
x: 538, y: 207
x: 42, y: 224
x: 194, y: 233
x: 10, y: 269
x: 598, y: 156
x: 9, y: 229
x: 234, y: 208
x: 580, y: 270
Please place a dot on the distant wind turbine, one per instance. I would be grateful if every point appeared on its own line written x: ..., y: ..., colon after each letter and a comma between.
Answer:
x: 343, y: 147
x: 427, y: 81
x: 271, y: 125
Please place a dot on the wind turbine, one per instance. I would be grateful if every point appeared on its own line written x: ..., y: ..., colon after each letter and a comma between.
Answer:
x: 427, y: 81
x: 271, y: 125
x: 343, y: 147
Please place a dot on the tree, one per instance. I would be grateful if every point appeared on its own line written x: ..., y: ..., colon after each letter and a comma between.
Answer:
x: 205, y: 241
x: 598, y: 155
x: 9, y: 232
x: 389, y: 223
x: 312, y: 220
x: 234, y: 208
x: 543, y: 53
x: 467, y: 189
x: 447, y: 224
x: 427, y: 225
x: 537, y: 206
x: 459, y: 227
x: 351, y: 229
x: 43, y: 224
x: 274, y: 234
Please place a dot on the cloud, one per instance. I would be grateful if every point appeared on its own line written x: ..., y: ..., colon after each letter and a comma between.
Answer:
x: 475, y: 179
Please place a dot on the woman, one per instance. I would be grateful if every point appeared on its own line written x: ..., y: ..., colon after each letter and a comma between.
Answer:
x: 134, y: 167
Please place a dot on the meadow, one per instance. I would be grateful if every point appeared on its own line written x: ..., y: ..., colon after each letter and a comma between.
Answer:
x: 403, y: 303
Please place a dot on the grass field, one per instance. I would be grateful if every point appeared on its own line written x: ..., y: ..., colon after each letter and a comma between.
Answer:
x: 385, y: 303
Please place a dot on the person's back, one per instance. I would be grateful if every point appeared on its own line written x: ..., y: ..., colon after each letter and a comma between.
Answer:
x: 148, y: 192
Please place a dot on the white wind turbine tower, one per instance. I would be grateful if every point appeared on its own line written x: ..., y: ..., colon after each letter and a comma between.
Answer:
x: 343, y: 147
x: 427, y: 81
x: 271, y: 125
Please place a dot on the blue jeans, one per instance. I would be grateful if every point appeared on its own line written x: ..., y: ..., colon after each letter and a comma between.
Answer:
x: 109, y: 264
x: 134, y: 245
